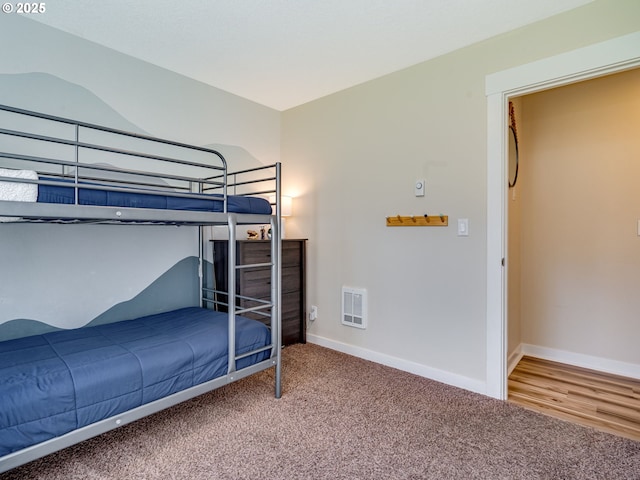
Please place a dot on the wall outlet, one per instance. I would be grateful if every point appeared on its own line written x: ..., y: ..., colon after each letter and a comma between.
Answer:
x: 313, y: 314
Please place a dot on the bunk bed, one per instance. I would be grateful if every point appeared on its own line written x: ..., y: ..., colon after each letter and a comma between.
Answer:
x: 63, y: 387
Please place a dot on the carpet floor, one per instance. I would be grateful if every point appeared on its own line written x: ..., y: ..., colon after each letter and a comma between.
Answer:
x: 341, y: 417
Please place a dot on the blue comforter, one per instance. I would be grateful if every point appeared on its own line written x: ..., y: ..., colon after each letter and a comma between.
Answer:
x: 54, y: 383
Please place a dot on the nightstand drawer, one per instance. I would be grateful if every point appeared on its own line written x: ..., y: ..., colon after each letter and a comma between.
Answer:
x: 260, y: 252
x: 257, y: 282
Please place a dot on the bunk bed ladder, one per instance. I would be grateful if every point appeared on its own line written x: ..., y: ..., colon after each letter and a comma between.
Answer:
x: 273, y: 304
x: 231, y: 299
x: 276, y: 283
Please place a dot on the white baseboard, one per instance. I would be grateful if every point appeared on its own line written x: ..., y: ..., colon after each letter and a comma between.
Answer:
x: 442, y: 376
x: 615, y: 367
x: 514, y: 358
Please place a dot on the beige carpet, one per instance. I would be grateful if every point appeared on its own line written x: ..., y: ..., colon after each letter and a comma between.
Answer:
x: 343, y: 418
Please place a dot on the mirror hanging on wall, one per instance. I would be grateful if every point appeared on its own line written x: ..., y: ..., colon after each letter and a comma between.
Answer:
x: 513, y: 147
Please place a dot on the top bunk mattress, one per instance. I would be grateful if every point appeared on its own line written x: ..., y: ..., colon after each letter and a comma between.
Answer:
x: 63, y: 191
x: 154, y: 199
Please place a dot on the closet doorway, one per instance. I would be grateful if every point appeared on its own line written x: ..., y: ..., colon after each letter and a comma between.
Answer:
x: 573, y: 264
x: 613, y: 56
x: 574, y: 252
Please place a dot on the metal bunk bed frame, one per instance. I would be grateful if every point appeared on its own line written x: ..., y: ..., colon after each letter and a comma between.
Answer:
x: 29, y: 212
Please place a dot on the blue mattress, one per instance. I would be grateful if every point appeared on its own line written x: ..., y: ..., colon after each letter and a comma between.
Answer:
x: 54, y: 383
x: 86, y: 196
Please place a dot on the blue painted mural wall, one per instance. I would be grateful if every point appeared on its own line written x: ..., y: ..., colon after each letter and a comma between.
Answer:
x: 68, y: 276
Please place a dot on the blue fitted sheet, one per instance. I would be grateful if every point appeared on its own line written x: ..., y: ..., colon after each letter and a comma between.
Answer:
x: 54, y: 383
x: 155, y: 199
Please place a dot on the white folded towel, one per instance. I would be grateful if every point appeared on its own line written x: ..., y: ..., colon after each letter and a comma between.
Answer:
x: 15, y: 191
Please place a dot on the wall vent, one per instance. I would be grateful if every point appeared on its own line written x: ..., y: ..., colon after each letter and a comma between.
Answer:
x: 354, y: 307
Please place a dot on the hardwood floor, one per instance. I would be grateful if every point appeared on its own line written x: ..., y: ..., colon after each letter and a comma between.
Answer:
x: 607, y: 402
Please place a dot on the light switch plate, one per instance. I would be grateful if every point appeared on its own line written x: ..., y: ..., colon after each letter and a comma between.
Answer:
x: 463, y: 227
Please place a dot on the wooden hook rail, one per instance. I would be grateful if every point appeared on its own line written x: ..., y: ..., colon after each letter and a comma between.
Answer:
x: 418, y: 221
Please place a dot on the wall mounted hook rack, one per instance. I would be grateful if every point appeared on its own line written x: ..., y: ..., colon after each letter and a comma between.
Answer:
x: 418, y: 221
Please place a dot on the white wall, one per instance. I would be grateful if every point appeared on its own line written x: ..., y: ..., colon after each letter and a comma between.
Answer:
x: 353, y: 157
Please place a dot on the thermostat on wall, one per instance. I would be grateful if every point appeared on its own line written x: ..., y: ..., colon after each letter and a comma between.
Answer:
x: 419, y: 188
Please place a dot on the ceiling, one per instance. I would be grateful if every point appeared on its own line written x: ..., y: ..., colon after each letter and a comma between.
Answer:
x: 283, y: 53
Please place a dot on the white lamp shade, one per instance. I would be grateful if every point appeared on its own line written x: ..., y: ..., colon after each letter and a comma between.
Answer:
x: 286, y: 205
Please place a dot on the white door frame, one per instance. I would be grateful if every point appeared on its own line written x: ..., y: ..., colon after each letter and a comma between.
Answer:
x: 616, y: 55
